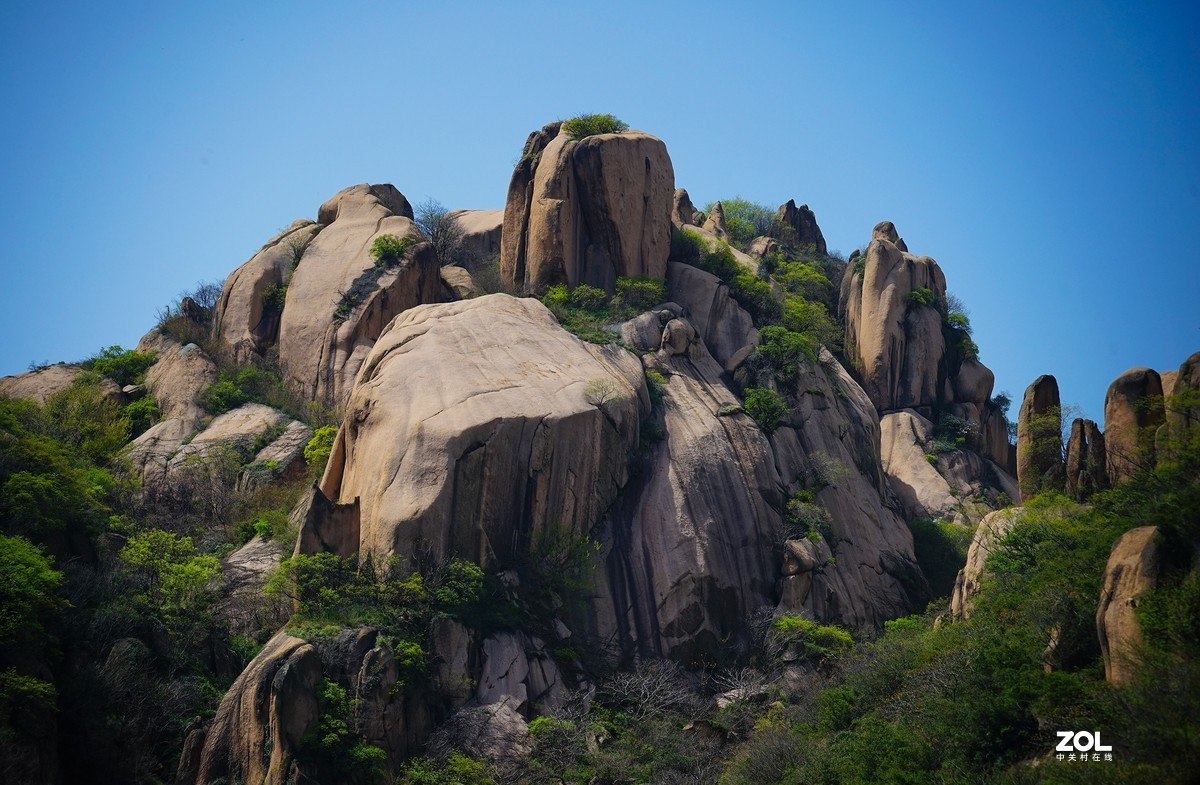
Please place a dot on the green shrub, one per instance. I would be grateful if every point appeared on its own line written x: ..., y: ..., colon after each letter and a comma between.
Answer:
x: 804, y: 280
x: 557, y: 298
x: 585, y: 125
x: 756, y: 296
x: 640, y: 293
x: 389, y: 250
x: 804, y: 517
x: 123, y: 366
x: 687, y: 247
x: 83, y: 418
x: 319, y: 448
x: 248, y: 384
x: 274, y: 298
x: 142, y: 414
x: 784, y: 350
x: 922, y: 298
x: 656, y: 385
x: 816, y: 641
x: 588, y: 298
x: 745, y: 220
x: 719, y: 261
x: 457, y: 769
x: 766, y: 408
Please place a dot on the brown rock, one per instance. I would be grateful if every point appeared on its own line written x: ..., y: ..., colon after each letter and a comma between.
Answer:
x: 465, y: 428
x: 240, y: 603
x: 482, y: 231
x: 726, y: 329
x: 921, y: 489
x: 715, y: 223
x: 259, y: 726
x: 1085, y: 468
x: 762, y: 247
x: 803, y: 222
x: 587, y: 211
x: 246, y: 319
x: 1039, y: 438
x: 1182, y: 396
x: 1133, y: 410
x: 458, y: 281
x: 992, y: 529
x: 897, y: 345
x: 44, y: 382
x: 683, y: 212
x: 319, y: 350
x: 1133, y: 568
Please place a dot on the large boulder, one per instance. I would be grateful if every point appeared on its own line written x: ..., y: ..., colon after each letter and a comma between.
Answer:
x: 803, y: 223
x: 896, y: 344
x: 44, y: 382
x: 1039, y: 438
x: 338, y: 301
x: 683, y: 212
x: 921, y: 489
x: 1133, y: 568
x: 1133, y: 411
x: 1182, y: 398
x: 991, y: 530
x: 481, y: 232
x: 246, y: 317
x: 587, y: 211
x: 1086, y: 472
x: 830, y: 446
x: 263, y: 718
x: 688, y: 551
x: 467, y: 428
x: 714, y: 224
x: 726, y: 329
x: 240, y: 604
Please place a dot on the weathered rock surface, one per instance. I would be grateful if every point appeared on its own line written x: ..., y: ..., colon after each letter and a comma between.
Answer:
x: 1133, y: 411
x: 246, y: 319
x: 683, y: 212
x: 282, y: 459
x: 518, y: 672
x: 319, y: 350
x: 687, y: 551
x: 993, y: 528
x: 1086, y: 472
x: 587, y: 211
x: 241, y: 604
x: 1039, y: 438
x: 176, y: 380
x: 44, y: 382
x: 803, y: 222
x: 762, y: 247
x: 923, y: 491
x: 496, y: 733
x: 481, y: 230
x: 1183, y: 398
x: 726, y: 329
x: 832, y: 445
x: 1133, y: 568
x: 898, y: 345
x: 715, y: 223
x: 261, y: 721
x: 458, y: 281
x: 475, y: 424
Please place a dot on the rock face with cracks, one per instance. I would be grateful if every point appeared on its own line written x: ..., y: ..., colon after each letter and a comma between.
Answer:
x: 1133, y: 411
x: 1039, y: 438
x: 338, y: 301
x: 1133, y: 568
x: 474, y: 425
x: 587, y: 211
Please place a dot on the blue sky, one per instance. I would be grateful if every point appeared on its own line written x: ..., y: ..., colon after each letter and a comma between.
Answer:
x: 1046, y: 154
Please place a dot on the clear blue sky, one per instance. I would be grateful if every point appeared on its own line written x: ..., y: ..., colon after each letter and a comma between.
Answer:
x: 1046, y: 154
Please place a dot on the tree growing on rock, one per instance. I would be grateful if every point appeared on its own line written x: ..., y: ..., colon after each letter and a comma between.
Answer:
x: 439, y: 227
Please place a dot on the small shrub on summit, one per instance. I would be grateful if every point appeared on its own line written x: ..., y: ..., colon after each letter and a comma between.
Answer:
x: 123, y: 366
x: 585, y: 125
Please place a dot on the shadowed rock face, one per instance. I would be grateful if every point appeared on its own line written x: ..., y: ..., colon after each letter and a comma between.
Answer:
x: 475, y: 424
x: 320, y: 349
x: 587, y: 211
x: 683, y: 212
x: 1039, y: 438
x: 726, y: 329
x: 1133, y: 411
x: 1085, y: 468
x: 1183, y: 397
x: 246, y: 317
x: 803, y: 222
x: 1133, y: 568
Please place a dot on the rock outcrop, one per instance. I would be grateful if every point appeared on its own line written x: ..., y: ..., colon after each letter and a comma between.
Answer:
x: 1133, y: 568
x: 922, y: 490
x: 715, y: 223
x: 803, y: 222
x: 897, y: 344
x: 1086, y: 472
x: 726, y: 329
x: 683, y: 212
x: 475, y: 425
x: 993, y: 528
x: 587, y: 211
x: 44, y: 382
x: 246, y: 317
x: 338, y: 301
x: 1039, y: 438
x: 1182, y: 398
x: 240, y: 603
x: 1133, y: 411
x: 262, y: 719
x: 481, y: 233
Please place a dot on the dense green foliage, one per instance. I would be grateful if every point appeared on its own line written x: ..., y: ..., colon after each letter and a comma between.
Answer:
x: 744, y: 219
x: 319, y: 448
x: 123, y: 366
x: 766, y: 408
x: 941, y: 550
x: 585, y: 125
x: 389, y: 250
x: 591, y: 314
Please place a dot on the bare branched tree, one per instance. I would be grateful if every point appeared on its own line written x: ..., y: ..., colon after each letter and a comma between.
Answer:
x: 655, y: 687
x: 440, y: 229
